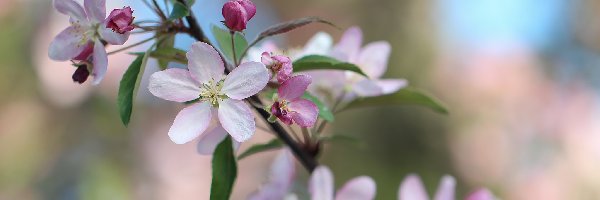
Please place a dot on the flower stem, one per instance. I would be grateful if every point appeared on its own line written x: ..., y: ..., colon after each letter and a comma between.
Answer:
x: 130, y: 46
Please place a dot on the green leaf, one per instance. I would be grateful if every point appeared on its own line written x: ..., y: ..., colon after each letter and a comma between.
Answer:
x: 406, y: 96
x: 324, y: 112
x: 257, y: 148
x: 223, y: 38
x: 317, y: 62
x: 179, y: 10
x: 169, y: 54
x: 224, y: 170
x: 127, y: 88
x: 163, y: 46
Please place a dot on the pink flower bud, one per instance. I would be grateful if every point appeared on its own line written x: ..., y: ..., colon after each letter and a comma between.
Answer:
x: 237, y: 13
x: 120, y: 20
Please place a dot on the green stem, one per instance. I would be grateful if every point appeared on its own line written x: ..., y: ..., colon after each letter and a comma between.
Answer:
x: 130, y: 46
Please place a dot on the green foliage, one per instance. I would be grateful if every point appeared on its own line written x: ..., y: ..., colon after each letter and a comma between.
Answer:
x: 257, y: 148
x: 224, y: 170
x: 179, y: 10
x: 162, y: 46
x: 128, y: 86
x: 318, y: 62
x: 223, y: 38
x: 324, y: 112
x: 169, y: 54
x: 406, y: 96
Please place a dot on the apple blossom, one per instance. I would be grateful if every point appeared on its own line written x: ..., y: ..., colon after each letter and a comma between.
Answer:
x: 280, y: 66
x: 237, y: 13
x: 412, y: 188
x: 85, y: 39
x: 321, y: 187
x: 290, y: 107
x: 205, y: 80
x: 120, y: 20
x: 281, y: 177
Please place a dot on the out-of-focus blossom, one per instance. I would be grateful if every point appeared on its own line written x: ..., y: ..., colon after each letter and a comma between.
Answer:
x: 218, y: 94
x: 84, y: 39
x: 280, y: 66
x: 281, y: 178
x: 290, y: 107
x: 321, y: 187
x: 120, y: 20
x: 237, y: 13
x: 412, y: 188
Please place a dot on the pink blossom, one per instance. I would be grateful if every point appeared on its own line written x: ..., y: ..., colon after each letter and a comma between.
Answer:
x: 281, y: 178
x: 412, y: 189
x: 84, y: 39
x: 120, y: 20
x: 290, y: 107
x: 279, y: 65
x: 237, y: 13
x: 220, y: 96
x: 321, y: 187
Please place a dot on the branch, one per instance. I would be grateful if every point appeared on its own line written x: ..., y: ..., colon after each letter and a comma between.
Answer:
x: 195, y: 30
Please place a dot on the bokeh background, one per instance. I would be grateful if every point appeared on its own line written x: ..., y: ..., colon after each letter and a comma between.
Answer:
x: 521, y: 79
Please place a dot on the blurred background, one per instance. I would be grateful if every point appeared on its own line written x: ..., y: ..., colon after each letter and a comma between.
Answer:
x: 520, y: 78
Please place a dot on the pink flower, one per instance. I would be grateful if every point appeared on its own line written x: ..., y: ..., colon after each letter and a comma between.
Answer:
x: 290, y: 107
x: 120, y: 20
x: 220, y: 96
x: 237, y: 13
x: 84, y: 39
x: 412, y: 189
x: 281, y: 178
x: 280, y: 65
x: 321, y: 187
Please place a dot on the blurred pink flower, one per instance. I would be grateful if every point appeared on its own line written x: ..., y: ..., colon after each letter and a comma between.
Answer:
x: 205, y: 80
x: 281, y: 66
x: 412, y: 188
x: 237, y: 13
x: 290, y: 107
x: 321, y: 187
x: 281, y: 178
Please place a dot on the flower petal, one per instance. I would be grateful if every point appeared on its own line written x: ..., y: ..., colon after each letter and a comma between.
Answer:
x: 190, y: 122
x: 319, y: 44
x: 481, y: 194
x: 66, y: 45
x: 367, y: 88
x: 359, y: 188
x: 373, y: 58
x: 321, y: 184
x: 70, y: 8
x: 281, y: 177
x: 304, y: 112
x: 412, y: 189
x: 209, y: 140
x: 294, y: 87
x: 389, y: 86
x: 174, y: 85
x: 95, y: 9
x: 237, y: 118
x: 246, y: 80
x: 445, y: 190
x: 112, y: 37
x: 204, y: 63
x: 100, y: 60
x: 349, y: 46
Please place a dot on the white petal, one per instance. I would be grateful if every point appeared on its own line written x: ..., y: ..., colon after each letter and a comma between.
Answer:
x: 389, y: 86
x: 373, y: 59
x: 95, y: 9
x: 112, y: 37
x: 246, y: 80
x: 190, y: 122
x: 70, y: 8
x: 321, y: 184
x: 237, y: 118
x: 204, y: 63
x: 174, y: 85
x: 445, y: 190
x: 281, y: 177
x: 66, y: 45
x: 319, y: 44
x: 349, y: 46
x: 209, y: 140
x: 412, y: 189
x: 359, y: 188
x: 100, y: 62
x: 367, y: 88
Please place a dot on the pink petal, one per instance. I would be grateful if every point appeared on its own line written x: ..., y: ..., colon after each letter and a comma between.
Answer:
x: 70, y: 8
x: 95, y: 9
x: 113, y: 37
x: 481, y: 194
x: 237, y: 118
x: 204, y: 63
x: 321, y: 184
x: 367, y: 88
x: 359, y: 188
x: 248, y: 7
x: 294, y: 87
x: 281, y: 177
x: 190, y: 123
x: 66, y: 45
x: 412, y: 189
x: 266, y: 59
x: 445, y: 190
x: 100, y: 61
x: 209, y: 140
x: 389, y: 86
x: 373, y: 59
x: 304, y: 112
x: 174, y: 85
x: 349, y: 46
x: 246, y: 80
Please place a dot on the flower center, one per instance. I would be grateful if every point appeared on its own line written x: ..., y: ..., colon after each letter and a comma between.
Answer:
x: 88, y: 32
x: 211, y: 92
